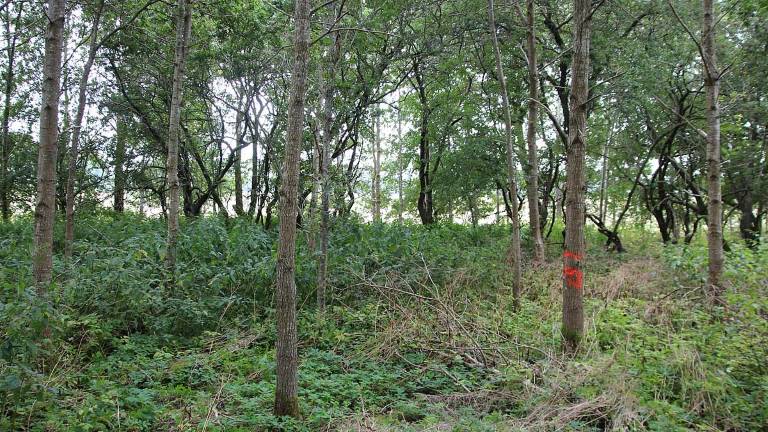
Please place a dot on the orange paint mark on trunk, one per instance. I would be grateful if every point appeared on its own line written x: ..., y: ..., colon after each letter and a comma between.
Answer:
x: 574, y: 277
x: 572, y: 255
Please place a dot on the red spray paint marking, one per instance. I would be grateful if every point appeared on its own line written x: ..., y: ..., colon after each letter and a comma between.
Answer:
x: 574, y: 278
x: 573, y: 255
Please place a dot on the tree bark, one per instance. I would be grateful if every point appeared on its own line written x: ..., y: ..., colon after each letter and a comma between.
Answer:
x: 377, y: 166
x: 715, y: 204
x: 74, y: 146
x: 425, y: 204
x: 533, y: 159
x: 120, y: 156
x: 183, y: 33
x: 400, y: 167
x: 575, y: 242
x: 6, y: 146
x: 239, y: 207
x: 334, y: 53
x: 286, y: 389
x: 45, y: 203
x: 515, y: 255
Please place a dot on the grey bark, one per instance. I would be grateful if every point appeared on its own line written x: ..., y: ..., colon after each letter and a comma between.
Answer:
x: 183, y: 31
x: 6, y: 146
x: 74, y: 146
x: 400, y: 167
x: 377, y: 166
x: 286, y: 389
x: 533, y: 159
x: 334, y: 52
x: 715, y: 203
x: 515, y: 256
x: 45, y: 203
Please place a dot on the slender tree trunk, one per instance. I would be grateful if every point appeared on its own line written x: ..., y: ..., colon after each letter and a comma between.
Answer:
x: 183, y: 31
x: 286, y: 390
x: 400, y: 167
x: 425, y: 204
x: 239, y: 207
x: 715, y: 205
x: 45, y: 203
x: 334, y: 52
x: 533, y: 158
x: 74, y: 146
x: 120, y: 156
x: 255, y: 185
x: 575, y: 242
x: 604, y: 179
x: 377, y: 167
x: 515, y: 255
x: 5, y: 139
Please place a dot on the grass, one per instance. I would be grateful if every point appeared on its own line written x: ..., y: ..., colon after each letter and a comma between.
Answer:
x: 421, y: 336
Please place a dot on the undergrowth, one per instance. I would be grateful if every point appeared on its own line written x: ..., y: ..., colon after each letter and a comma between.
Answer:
x: 421, y: 334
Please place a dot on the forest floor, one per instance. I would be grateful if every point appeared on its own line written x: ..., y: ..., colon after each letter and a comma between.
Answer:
x: 421, y: 336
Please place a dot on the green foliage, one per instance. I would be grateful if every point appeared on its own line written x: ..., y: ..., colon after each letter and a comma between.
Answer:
x: 125, y: 352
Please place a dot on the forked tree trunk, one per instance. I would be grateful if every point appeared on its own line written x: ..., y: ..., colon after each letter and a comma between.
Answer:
x: 334, y: 51
x: 515, y: 255
x: 715, y: 205
x: 183, y: 30
x: 45, y: 203
x: 74, y: 146
x: 575, y: 242
x: 120, y: 155
x: 533, y: 158
x: 286, y: 389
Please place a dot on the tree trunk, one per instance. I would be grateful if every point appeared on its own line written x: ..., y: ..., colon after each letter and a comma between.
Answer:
x: 183, y: 31
x: 604, y: 178
x: 74, y: 146
x: 120, y: 155
x: 515, y: 255
x: 533, y: 158
x: 286, y: 389
x: 239, y: 132
x: 325, y: 185
x: 240, y: 128
x: 45, y: 204
x: 425, y: 203
x: 400, y: 167
x: 715, y: 205
x: 377, y: 167
x: 575, y: 242
x: 5, y: 139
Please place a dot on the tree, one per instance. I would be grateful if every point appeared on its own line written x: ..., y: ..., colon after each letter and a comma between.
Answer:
x: 74, y: 147
x: 286, y: 389
x: 376, y: 153
x: 533, y: 160
x: 120, y: 156
x: 183, y: 31
x: 575, y: 242
x: 45, y: 204
x: 327, y: 92
x: 714, y: 193
x: 515, y: 255
x: 12, y: 40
